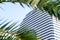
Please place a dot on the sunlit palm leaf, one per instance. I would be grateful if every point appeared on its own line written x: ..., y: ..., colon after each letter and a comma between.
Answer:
x: 10, y: 33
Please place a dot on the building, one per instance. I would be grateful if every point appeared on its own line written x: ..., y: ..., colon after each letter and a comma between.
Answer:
x: 41, y: 22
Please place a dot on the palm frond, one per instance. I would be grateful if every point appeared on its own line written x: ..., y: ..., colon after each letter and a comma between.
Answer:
x: 8, y: 33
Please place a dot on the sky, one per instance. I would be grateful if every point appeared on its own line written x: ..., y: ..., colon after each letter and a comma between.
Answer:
x: 13, y: 11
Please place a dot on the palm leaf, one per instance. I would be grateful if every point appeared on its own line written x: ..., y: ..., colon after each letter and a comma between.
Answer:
x: 9, y: 33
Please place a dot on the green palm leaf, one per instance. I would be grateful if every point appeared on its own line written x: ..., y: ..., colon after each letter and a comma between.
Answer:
x: 22, y: 33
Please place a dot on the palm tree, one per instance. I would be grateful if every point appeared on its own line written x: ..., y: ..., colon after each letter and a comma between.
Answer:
x: 51, y: 6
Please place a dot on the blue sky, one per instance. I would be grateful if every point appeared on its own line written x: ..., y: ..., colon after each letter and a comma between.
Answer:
x: 13, y: 11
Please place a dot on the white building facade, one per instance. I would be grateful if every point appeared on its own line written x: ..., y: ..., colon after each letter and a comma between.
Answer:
x: 43, y: 25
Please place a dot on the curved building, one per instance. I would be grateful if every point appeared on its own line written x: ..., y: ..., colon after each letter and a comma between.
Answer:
x: 41, y: 22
